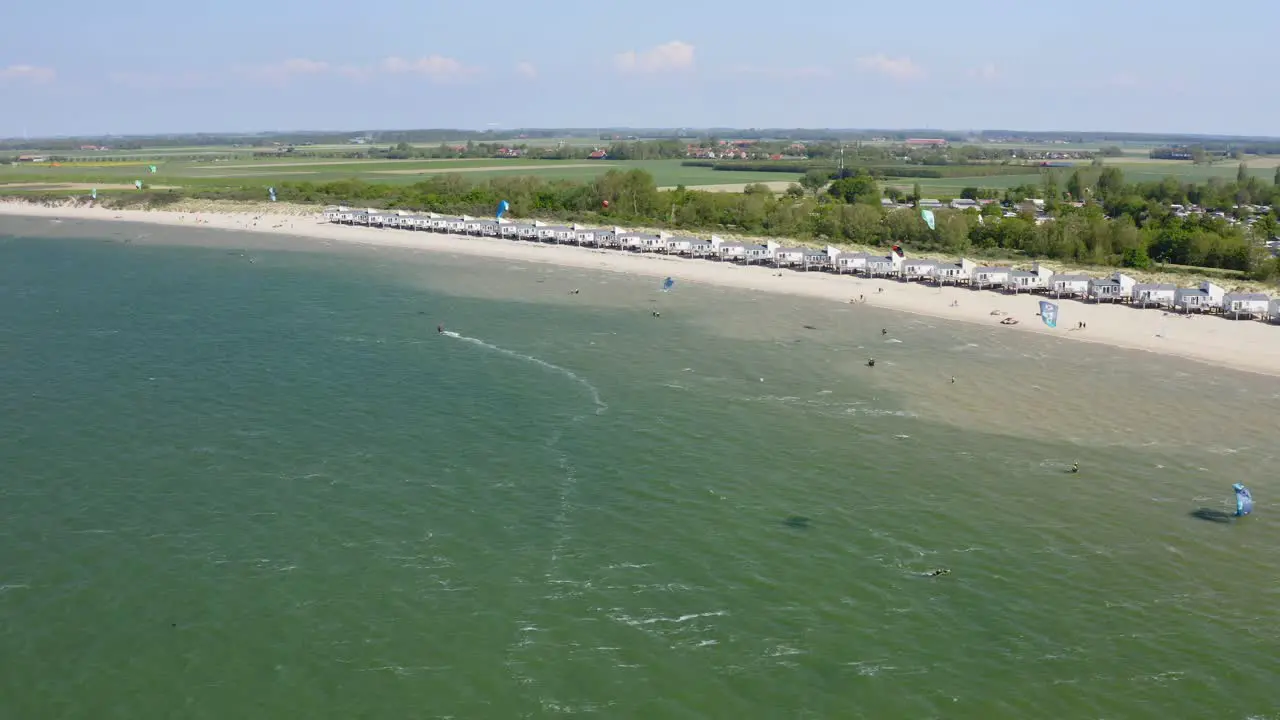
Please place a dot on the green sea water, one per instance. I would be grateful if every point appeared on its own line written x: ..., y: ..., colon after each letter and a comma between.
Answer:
x: 244, y: 477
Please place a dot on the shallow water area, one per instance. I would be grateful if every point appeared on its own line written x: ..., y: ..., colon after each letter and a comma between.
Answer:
x: 234, y: 486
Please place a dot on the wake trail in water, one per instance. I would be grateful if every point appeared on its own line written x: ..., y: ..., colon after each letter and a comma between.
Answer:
x: 566, y: 464
x: 525, y: 637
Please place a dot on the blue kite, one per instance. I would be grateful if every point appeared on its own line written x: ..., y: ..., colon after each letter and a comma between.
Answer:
x: 1244, y: 500
x: 503, y: 207
x: 1049, y: 313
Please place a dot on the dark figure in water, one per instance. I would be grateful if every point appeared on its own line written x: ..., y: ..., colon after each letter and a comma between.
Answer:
x: 936, y: 573
x: 440, y: 328
x: 884, y: 331
x: 871, y: 362
x: 1075, y: 467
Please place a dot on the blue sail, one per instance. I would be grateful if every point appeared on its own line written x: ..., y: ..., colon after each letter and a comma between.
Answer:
x: 1244, y: 500
x: 929, y: 219
x: 1049, y: 313
x: 503, y: 207
x: 666, y: 284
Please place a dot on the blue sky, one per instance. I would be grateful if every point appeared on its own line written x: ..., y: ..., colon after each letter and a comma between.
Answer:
x: 149, y: 66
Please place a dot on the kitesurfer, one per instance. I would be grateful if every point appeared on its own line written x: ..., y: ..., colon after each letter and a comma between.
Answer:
x: 440, y: 328
x: 936, y: 573
x: 871, y: 362
x: 1075, y: 467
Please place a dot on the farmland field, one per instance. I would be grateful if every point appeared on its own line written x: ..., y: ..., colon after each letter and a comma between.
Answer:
x: 226, y: 167
x: 247, y: 172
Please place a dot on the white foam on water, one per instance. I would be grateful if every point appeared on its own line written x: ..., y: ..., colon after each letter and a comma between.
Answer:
x: 523, y: 638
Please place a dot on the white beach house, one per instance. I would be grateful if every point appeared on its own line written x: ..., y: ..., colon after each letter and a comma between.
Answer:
x: 680, y: 245
x: 815, y: 259
x: 1204, y: 298
x: 852, y: 262
x: 1069, y: 285
x: 990, y: 277
x: 566, y: 235
x: 700, y: 248
x: 456, y: 225
x: 1037, y: 278
x: 734, y: 251
x: 1117, y: 287
x: 754, y: 254
x: 881, y: 266
x: 1153, y: 295
x: 653, y: 243
x: 1251, y: 305
x: 917, y: 268
x: 788, y: 256
x: 953, y: 273
x: 527, y: 232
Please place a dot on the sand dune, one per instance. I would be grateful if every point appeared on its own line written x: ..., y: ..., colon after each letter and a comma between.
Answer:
x: 1246, y: 345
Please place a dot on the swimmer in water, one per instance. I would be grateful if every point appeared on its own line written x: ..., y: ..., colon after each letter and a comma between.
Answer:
x: 884, y: 331
x: 1075, y: 467
x: 936, y: 573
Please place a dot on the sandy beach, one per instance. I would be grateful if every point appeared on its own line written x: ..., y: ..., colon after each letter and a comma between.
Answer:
x: 1244, y: 345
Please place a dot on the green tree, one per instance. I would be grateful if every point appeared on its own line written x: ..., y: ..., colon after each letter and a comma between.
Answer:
x: 1276, y: 180
x: 859, y: 187
x: 915, y: 193
x: 1242, y: 174
x: 1136, y: 257
x: 815, y: 180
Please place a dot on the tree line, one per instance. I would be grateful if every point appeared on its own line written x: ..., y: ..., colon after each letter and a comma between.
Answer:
x: 1090, y: 218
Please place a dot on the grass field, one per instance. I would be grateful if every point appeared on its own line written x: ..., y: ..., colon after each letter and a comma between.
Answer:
x: 108, y: 171
x: 238, y: 172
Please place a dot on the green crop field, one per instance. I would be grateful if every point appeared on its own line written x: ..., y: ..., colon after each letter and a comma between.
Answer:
x: 241, y: 171
x: 238, y: 167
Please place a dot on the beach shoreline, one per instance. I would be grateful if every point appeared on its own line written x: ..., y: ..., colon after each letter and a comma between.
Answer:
x: 1242, y: 345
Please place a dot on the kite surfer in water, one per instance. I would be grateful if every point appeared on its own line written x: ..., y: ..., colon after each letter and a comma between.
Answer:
x: 936, y: 573
x: 440, y: 329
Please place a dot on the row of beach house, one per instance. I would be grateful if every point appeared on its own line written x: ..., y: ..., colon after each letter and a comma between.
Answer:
x: 1207, y: 297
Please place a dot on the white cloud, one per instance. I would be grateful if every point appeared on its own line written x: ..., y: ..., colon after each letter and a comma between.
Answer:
x: 159, y: 80
x: 437, y: 67
x: 668, y: 57
x: 988, y: 72
x: 526, y: 69
x: 28, y: 73
x: 1123, y: 80
x: 783, y: 73
x: 897, y: 68
x: 279, y: 73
